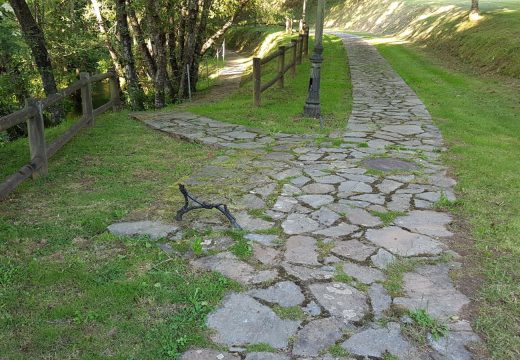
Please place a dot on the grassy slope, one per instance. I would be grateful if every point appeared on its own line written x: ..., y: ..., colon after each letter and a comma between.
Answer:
x: 490, y: 44
x: 69, y: 290
x: 480, y: 119
x: 281, y: 109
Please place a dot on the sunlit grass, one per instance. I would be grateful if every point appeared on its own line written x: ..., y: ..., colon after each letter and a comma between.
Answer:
x: 480, y: 119
x: 282, y: 109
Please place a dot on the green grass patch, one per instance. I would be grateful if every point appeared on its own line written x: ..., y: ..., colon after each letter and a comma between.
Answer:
x: 261, y: 347
x: 394, y: 275
x: 424, y: 324
x: 387, y: 217
x: 289, y: 313
x: 480, y: 119
x: 282, y: 109
x: 336, y: 350
x: 69, y: 289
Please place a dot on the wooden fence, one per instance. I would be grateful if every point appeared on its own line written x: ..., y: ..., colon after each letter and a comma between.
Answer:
x: 299, y: 48
x: 32, y: 113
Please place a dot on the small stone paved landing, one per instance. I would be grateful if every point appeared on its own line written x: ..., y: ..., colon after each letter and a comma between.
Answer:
x: 326, y: 200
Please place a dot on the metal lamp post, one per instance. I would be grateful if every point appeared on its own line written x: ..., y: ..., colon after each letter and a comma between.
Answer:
x: 312, y: 104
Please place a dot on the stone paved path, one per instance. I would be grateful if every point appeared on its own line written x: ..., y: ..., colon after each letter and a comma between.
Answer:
x: 332, y: 242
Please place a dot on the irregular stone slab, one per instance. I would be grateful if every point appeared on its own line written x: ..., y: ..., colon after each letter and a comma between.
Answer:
x: 353, y: 187
x: 389, y: 164
x: 400, y: 202
x: 426, y: 222
x: 265, y: 190
x: 285, y: 293
x: 299, y: 224
x: 266, y: 356
x: 353, y: 249
x: 208, y: 354
x: 228, y: 265
x: 325, y: 216
x: 363, y: 274
x: 301, y: 250
x: 241, y: 135
x: 342, y: 301
x: 290, y: 190
x: 285, y: 204
x: 250, y: 223
x: 267, y: 240
x: 317, y: 188
x: 382, y: 259
x: 316, y: 201
x: 430, y: 287
x: 375, y: 342
x: 312, y: 309
x: 342, y: 229
x: 154, y: 229
x: 250, y: 201
x: 316, y: 336
x: 371, y: 198
x: 242, y: 321
x: 305, y: 274
x: 453, y: 346
x: 403, y: 129
x: 379, y: 299
x: 300, y: 181
x: 387, y: 186
x: 329, y: 179
x: 403, y: 243
x: 266, y: 255
x: 362, y: 217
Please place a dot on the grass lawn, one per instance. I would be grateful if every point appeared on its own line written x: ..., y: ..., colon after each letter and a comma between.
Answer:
x: 480, y: 119
x: 68, y: 289
x: 282, y: 109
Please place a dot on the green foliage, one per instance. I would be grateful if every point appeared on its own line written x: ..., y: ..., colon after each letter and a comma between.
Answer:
x: 337, y: 350
x: 196, y: 246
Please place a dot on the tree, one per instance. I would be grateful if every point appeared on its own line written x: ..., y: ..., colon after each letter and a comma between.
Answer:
x: 35, y: 39
x: 474, y: 13
x: 135, y: 91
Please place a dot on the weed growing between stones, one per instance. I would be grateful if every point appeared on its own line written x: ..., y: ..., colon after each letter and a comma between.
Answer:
x: 261, y: 347
x: 424, y: 324
x: 387, y: 217
x: 388, y: 356
x: 337, y: 351
x: 289, y: 313
x: 340, y: 275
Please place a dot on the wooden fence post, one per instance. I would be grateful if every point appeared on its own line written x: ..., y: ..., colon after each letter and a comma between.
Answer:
x: 281, y: 66
x: 300, y: 48
x: 257, y: 75
x: 306, y: 42
x: 86, y: 99
x: 36, y: 135
x: 115, y: 91
x: 294, y: 56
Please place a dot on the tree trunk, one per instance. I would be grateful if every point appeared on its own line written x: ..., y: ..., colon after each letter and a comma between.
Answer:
x: 159, y: 39
x: 151, y: 67
x: 135, y: 92
x: 173, y: 83
x: 34, y: 37
x: 220, y: 32
x: 189, y: 47
x: 201, y: 32
x: 108, y: 43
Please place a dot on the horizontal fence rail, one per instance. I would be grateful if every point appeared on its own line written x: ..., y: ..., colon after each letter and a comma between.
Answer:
x: 298, y: 47
x: 32, y: 114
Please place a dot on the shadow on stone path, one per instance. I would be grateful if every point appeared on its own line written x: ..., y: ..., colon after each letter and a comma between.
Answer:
x: 342, y: 211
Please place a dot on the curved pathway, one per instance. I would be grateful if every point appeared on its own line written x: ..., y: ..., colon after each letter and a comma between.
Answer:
x: 343, y: 211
